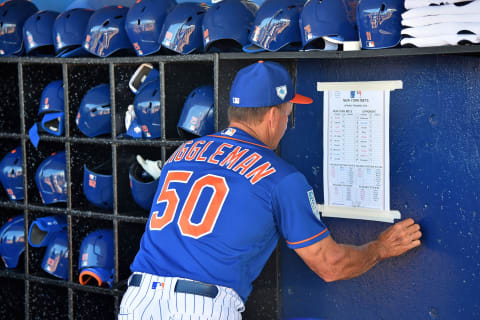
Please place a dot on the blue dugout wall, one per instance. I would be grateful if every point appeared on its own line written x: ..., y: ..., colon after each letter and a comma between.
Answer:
x: 435, y: 179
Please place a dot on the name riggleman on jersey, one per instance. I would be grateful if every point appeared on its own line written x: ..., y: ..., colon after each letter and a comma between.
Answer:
x: 195, y: 150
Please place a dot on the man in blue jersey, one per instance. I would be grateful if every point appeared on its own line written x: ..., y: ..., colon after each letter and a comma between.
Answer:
x: 223, y: 202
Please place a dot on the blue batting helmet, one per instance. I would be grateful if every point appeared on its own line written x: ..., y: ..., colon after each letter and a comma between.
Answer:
x: 55, y: 260
x: 52, y: 98
x: 12, y: 241
x: 379, y: 23
x: 144, y: 24
x: 334, y: 19
x: 98, y: 185
x: 276, y: 26
x: 37, y: 33
x: 51, y: 232
x: 93, y: 117
x: 142, y: 185
x: 227, y: 24
x: 52, y: 108
x: 69, y: 31
x: 147, y: 110
x: 182, y: 29
x: 50, y: 179
x: 105, y: 33
x: 96, y: 258
x: 198, y: 112
x: 11, y: 174
x: 13, y: 14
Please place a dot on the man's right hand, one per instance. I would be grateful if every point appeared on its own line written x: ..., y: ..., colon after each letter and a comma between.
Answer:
x: 399, y: 238
x: 335, y: 261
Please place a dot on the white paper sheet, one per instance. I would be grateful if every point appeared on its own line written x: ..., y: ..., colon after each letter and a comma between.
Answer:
x: 356, y: 160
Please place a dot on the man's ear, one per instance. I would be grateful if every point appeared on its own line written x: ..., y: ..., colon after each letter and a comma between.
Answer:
x: 272, y: 117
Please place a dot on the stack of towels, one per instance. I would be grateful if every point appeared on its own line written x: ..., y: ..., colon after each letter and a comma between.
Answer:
x: 433, y: 23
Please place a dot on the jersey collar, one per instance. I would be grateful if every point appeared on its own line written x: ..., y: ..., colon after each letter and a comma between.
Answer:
x: 233, y: 133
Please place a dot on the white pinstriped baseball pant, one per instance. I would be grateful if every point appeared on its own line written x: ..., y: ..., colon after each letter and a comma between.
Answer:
x: 155, y: 299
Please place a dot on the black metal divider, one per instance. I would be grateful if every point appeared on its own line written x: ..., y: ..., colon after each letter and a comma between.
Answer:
x: 69, y: 181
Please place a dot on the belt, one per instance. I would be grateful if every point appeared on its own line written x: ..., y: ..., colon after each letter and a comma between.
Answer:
x: 184, y: 286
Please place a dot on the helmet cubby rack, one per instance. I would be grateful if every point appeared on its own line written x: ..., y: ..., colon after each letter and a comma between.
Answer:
x: 28, y: 292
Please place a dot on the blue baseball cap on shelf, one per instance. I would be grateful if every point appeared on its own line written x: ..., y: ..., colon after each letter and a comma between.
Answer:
x: 264, y: 84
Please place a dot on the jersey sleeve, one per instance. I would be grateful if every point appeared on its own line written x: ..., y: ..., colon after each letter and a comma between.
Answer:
x: 296, y: 212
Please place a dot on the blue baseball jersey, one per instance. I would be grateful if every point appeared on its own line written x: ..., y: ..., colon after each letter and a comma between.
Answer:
x: 222, y: 203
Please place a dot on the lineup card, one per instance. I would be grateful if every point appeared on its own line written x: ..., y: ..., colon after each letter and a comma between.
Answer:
x: 356, y: 159
x: 356, y: 152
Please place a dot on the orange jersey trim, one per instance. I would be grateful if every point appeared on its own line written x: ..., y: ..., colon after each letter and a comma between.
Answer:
x: 255, y: 144
x: 298, y: 242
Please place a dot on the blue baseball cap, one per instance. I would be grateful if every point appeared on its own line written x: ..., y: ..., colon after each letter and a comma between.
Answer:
x: 264, y: 84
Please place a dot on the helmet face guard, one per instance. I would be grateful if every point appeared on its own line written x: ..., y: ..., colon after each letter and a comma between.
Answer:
x: 96, y: 258
x: 144, y: 74
x: 226, y: 25
x: 11, y: 174
x: 50, y: 179
x: 37, y: 32
x: 93, y: 117
x: 334, y: 19
x: 55, y: 260
x: 198, y: 112
x: 105, y: 33
x: 144, y: 24
x: 98, y: 185
x: 69, y: 31
x: 379, y: 23
x: 53, y: 123
x: 182, y: 30
x: 147, y: 111
x: 12, y: 241
x: 42, y: 231
x: 142, y: 185
x: 276, y: 26
x: 13, y: 14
